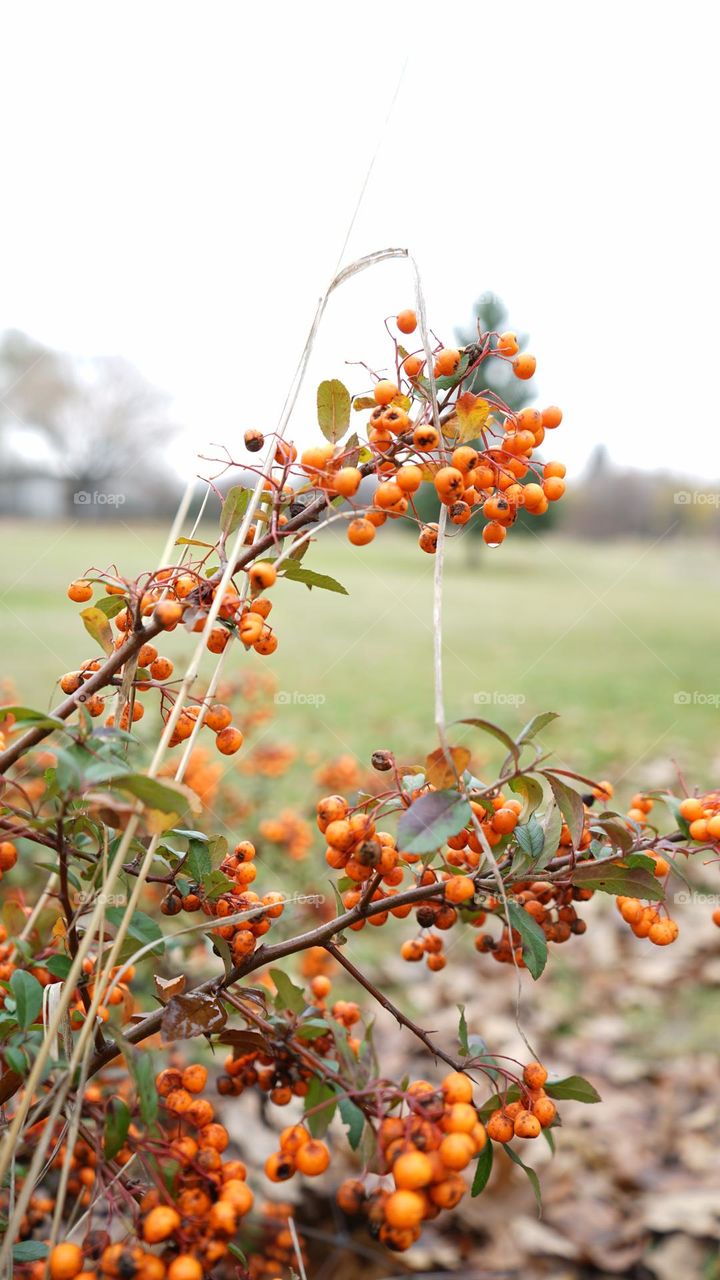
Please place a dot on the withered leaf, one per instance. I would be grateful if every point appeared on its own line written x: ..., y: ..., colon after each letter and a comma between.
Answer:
x: 244, y: 1041
x: 438, y: 770
x: 195, y: 1014
x: 167, y: 987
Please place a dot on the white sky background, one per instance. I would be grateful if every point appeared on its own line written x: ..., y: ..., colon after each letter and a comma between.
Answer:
x: 178, y: 181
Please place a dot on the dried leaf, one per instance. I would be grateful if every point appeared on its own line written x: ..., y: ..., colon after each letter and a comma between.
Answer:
x: 196, y: 1014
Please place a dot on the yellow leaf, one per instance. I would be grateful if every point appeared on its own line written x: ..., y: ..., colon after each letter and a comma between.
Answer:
x: 98, y: 627
x: 471, y: 415
x: 438, y: 770
x: 402, y: 402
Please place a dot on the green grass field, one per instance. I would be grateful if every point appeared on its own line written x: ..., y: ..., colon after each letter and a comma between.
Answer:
x: 599, y: 633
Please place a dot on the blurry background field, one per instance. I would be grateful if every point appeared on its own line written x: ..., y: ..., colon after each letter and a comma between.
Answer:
x: 619, y: 638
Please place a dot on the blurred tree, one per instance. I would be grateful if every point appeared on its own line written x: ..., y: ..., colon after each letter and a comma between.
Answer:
x: 102, y: 421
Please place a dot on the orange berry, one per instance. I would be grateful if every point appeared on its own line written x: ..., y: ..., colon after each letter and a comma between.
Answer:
x: 229, y: 740
x: 457, y: 1087
x: 459, y: 889
x: 262, y: 575
x: 385, y: 391
x: 404, y: 1208
x: 360, y: 532
x: 456, y: 1151
x: 218, y: 717
x: 524, y: 366
x: 552, y: 469
x: 526, y: 1125
x: 535, y: 1075
x: 80, y: 591
x: 406, y: 321
x: 185, y: 1267
x: 499, y: 1127
x: 447, y: 361
x: 449, y: 484
x: 66, y: 1261
x: 507, y: 344
x: 316, y: 458
x: 691, y: 808
x: 545, y: 1110
x: 293, y: 1138
x: 553, y: 488
x: 238, y: 1194
x: 8, y: 855
x: 412, y: 1170
x: 312, y: 1158
x: 412, y: 366
x: 551, y: 417
x: 160, y: 1223
x: 460, y: 1118
x: 346, y: 481
x: 493, y: 534
x: 168, y: 613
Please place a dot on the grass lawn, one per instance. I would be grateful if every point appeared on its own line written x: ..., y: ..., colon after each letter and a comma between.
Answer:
x: 599, y: 633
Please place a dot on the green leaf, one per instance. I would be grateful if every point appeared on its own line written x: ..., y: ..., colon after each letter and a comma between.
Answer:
x: 117, y: 1124
x: 570, y: 805
x: 483, y: 1169
x: 111, y: 606
x: 294, y: 571
x: 496, y: 732
x: 97, y: 625
x: 313, y: 1028
x: 141, y: 1067
x: 28, y: 996
x: 535, y: 726
x: 289, y: 996
x: 58, y: 966
x: 194, y: 542
x: 165, y: 797
x: 333, y: 409
x: 142, y: 928
x: 572, y: 1089
x: 615, y: 830
x: 26, y: 715
x: 15, y: 1059
x: 323, y: 1096
x: 534, y: 944
x: 619, y: 879
x: 354, y: 1119
x: 673, y: 805
x: 463, y: 1032
x: 216, y: 883
x: 198, y: 862
x: 531, y: 1176
x: 430, y: 820
x: 29, y: 1251
x: 531, y: 792
x: 531, y: 838
x: 552, y: 830
x: 234, y: 506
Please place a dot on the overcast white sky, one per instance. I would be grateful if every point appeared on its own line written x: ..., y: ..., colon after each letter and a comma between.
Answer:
x: 178, y: 181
